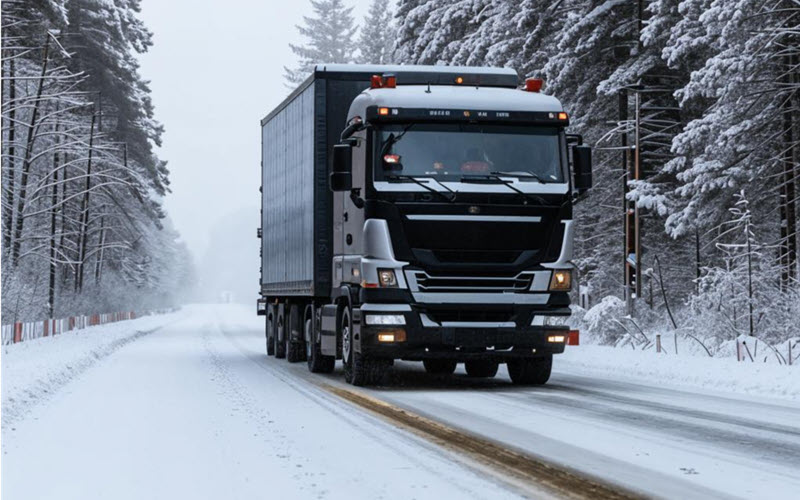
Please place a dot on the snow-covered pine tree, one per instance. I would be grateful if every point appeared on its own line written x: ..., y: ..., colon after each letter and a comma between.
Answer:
x: 432, y: 32
x: 378, y: 33
x: 330, y: 39
x: 740, y: 139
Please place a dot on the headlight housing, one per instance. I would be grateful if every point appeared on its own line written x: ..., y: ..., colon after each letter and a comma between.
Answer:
x: 561, y: 280
x: 385, y: 319
x: 387, y: 278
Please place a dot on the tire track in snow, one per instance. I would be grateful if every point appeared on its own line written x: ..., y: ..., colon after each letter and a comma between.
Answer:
x: 316, y: 389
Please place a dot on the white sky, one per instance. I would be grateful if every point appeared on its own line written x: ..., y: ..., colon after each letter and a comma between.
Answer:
x: 216, y: 68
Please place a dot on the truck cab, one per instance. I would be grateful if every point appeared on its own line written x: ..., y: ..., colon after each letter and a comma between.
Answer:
x: 453, y: 226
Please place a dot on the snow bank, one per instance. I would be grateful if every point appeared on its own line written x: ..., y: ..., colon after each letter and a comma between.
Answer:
x: 33, y: 370
x: 666, y: 369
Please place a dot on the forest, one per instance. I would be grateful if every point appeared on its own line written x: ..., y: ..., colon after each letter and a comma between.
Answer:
x: 691, y: 107
x: 83, y: 230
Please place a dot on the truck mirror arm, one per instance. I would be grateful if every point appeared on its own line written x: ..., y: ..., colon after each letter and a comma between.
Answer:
x: 357, y: 200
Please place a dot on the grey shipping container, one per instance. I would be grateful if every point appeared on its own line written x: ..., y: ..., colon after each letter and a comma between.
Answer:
x: 296, y: 140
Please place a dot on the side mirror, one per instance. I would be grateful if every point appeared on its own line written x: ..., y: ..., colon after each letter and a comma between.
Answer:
x: 341, y: 178
x: 582, y: 167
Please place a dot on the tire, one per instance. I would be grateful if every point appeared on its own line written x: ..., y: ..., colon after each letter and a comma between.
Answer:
x: 440, y: 366
x: 317, y: 362
x: 280, y: 335
x: 359, y: 370
x: 481, y: 368
x: 532, y: 371
x: 294, y: 349
x: 270, y: 335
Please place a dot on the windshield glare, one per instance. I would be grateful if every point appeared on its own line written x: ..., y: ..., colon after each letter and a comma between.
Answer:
x: 450, y: 152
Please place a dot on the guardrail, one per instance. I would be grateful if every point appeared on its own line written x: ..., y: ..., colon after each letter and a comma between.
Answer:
x: 14, y: 333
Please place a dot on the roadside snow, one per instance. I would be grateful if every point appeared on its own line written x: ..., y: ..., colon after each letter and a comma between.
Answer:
x: 696, y: 371
x: 34, y: 369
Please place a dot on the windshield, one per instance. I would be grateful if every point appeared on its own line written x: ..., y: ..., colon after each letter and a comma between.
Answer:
x: 451, y: 152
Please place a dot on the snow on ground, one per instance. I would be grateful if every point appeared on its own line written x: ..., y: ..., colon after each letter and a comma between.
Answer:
x: 696, y: 371
x: 195, y: 409
x: 34, y: 369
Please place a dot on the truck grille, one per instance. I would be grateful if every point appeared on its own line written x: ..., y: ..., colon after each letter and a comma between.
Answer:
x: 425, y: 282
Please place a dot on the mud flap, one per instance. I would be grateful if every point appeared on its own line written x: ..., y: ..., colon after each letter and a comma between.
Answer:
x: 328, y: 330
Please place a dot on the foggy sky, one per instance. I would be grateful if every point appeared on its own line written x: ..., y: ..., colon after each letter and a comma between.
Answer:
x: 216, y: 68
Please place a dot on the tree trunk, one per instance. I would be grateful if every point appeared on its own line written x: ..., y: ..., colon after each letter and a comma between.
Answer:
x: 26, y: 159
x: 51, y: 302
x: 84, y: 225
x: 98, y: 264
x: 11, y: 161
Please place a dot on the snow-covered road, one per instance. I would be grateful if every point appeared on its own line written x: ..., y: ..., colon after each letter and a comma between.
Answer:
x: 195, y: 409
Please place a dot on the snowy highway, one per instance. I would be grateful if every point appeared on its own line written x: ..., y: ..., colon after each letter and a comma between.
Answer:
x: 195, y: 409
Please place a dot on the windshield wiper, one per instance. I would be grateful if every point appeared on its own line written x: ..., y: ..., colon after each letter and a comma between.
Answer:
x: 400, y: 178
x: 520, y: 175
x: 510, y: 185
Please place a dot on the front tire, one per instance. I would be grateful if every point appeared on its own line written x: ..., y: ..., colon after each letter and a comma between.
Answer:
x: 532, y: 371
x: 359, y: 370
x: 483, y: 369
x: 440, y: 366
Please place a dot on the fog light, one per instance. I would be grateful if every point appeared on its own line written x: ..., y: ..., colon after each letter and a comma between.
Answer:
x: 385, y: 319
x: 561, y: 281
x: 558, y: 339
x: 389, y: 336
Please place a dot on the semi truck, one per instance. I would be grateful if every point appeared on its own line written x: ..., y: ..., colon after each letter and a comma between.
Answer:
x: 419, y: 213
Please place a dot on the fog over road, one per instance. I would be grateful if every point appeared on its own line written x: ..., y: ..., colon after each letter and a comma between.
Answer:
x: 196, y: 409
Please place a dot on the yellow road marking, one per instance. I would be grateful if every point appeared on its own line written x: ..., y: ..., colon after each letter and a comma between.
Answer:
x: 525, y: 469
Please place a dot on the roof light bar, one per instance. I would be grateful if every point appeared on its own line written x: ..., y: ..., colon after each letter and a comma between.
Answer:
x: 533, y: 84
x: 385, y: 81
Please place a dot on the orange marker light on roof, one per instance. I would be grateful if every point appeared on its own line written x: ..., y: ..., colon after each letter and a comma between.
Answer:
x: 562, y: 116
x: 459, y: 80
x: 533, y: 84
x: 383, y: 111
x: 376, y: 82
x: 389, y: 81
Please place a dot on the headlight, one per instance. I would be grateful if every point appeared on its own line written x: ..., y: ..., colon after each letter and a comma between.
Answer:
x: 385, y: 319
x: 387, y: 278
x: 561, y: 281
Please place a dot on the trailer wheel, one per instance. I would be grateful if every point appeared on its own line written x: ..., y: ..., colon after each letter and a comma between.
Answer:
x: 359, y: 370
x: 532, y: 371
x: 294, y: 348
x: 481, y: 368
x: 280, y: 336
x: 317, y: 362
x: 270, y: 334
x: 440, y: 366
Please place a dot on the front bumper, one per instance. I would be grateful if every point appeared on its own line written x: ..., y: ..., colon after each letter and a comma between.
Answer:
x: 426, y: 338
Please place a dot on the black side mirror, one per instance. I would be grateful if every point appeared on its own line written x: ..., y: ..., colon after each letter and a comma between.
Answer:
x: 341, y: 178
x: 582, y: 167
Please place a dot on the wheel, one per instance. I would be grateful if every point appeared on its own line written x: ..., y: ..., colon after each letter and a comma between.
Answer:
x: 280, y: 335
x: 317, y: 362
x: 359, y: 370
x: 481, y: 368
x: 270, y: 335
x: 294, y: 348
x: 440, y: 366
x: 532, y: 371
